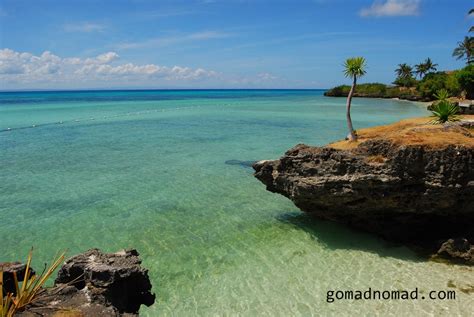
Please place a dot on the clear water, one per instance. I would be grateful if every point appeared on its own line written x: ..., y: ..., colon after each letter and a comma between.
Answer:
x: 146, y: 169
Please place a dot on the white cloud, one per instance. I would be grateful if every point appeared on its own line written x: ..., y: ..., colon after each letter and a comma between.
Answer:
x: 107, y: 57
x: 266, y: 77
x: 173, y: 40
x: 392, y: 8
x: 85, y: 27
x: 26, y: 68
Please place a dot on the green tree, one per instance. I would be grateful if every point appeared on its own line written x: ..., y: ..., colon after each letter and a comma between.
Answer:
x: 472, y: 27
x: 466, y: 80
x: 404, y: 71
x: 353, y: 68
x: 430, y: 66
x: 405, y: 81
x: 434, y: 82
x: 465, y: 50
x: 420, y: 70
x: 405, y: 75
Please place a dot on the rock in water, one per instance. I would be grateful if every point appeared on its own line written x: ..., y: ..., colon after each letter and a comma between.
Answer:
x: 402, y: 192
x: 115, y: 278
x: 10, y: 268
x: 459, y: 250
x: 96, y: 284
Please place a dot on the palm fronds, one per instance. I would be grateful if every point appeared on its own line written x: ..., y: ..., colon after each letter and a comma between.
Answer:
x: 355, y: 67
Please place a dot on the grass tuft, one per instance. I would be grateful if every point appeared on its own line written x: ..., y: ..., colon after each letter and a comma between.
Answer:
x: 30, y: 287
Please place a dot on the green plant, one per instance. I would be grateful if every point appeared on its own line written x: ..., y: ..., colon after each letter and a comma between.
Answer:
x: 465, y: 50
x: 404, y: 70
x: 405, y: 81
x: 353, y: 67
x: 471, y: 12
x: 465, y: 78
x: 444, y: 111
x: 434, y: 82
x: 430, y: 66
x: 426, y: 67
x: 442, y: 95
x: 405, y: 75
x: 452, y: 84
x: 420, y: 70
x: 30, y: 287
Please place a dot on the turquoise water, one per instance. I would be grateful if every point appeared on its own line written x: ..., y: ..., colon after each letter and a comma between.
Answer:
x: 147, y: 169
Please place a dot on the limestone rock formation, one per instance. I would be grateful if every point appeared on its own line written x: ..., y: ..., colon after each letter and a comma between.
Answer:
x: 459, y: 250
x: 8, y: 269
x: 96, y: 284
x: 406, y: 192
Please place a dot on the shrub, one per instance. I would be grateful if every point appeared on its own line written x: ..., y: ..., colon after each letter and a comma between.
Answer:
x: 434, y: 82
x: 442, y: 95
x: 452, y: 84
x: 369, y: 89
x: 444, y: 111
x: 340, y: 90
x: 465, y: 78
x: 405, y: 81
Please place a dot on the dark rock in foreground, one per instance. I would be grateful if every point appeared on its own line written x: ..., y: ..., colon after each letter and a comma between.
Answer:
x: 10, y: 268
x: 459, y: 250
x: 96, y: 284
x: 408, y: 193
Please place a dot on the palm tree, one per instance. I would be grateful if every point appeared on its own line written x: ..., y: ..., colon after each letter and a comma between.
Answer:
x: 404, y: 71
x: 465, y: 49
x: 420, y: 70
x: 353, y: 67
x: 429, y: 66
x: 472, y: 27
x: 423, y: 68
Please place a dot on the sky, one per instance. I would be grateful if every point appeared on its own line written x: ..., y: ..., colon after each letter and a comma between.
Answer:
x: 57, y: 44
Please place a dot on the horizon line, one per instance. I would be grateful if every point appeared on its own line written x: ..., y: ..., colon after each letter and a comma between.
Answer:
x: 148, y: 89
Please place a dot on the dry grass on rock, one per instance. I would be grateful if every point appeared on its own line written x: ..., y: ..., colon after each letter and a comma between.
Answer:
x: 415, y: 131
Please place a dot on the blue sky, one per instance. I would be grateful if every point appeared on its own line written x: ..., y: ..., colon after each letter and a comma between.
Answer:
x: 220, y: 44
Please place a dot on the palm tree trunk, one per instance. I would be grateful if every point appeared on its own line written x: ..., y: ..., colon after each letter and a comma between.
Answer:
x: 352, y: 136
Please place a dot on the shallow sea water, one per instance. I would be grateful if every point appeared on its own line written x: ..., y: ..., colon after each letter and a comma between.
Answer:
x: 147, y: 169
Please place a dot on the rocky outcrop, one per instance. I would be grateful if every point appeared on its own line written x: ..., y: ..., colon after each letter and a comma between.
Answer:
x: 9, y: 269
x: 409, y: 193
x: 96, y: 284
x: 458, y: 250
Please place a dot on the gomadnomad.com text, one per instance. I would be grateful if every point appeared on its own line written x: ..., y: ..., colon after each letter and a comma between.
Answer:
x: 370, y: 294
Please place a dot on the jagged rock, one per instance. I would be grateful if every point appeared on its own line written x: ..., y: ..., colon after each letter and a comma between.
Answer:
x: 401, y: 192
x: 10, y: 268
x: 459, y: 250
x: 96, y: 284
